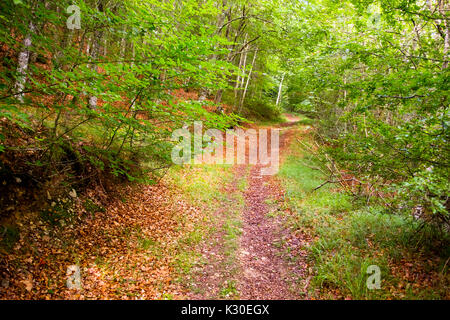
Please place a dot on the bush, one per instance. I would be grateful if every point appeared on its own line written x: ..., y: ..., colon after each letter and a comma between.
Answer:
x: 261, y: 109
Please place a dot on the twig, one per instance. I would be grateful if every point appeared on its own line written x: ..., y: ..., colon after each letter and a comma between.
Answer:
x: 442, y: 271
x: 329, y: 181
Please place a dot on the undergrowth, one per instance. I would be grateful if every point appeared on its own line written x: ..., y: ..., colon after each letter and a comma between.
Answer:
x: 349, y: 236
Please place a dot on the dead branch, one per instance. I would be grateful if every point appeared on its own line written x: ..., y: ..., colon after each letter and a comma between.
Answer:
x: 329, y: 181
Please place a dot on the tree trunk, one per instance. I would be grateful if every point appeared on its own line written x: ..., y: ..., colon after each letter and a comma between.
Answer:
x: 443, y: 9
x: 238, y: 78
x: 133, y: 53
x: 23, y: 60
x: 248, y: 81
x: 244, y: 64
x: 279, y: 90
x: 105, y: 47
x: 123, y: 44
x: 94, y: 54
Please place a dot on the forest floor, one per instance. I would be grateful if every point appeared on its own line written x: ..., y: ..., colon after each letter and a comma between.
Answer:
x: 202, y: 232
x: 218, y: 232
x: 247, y: 259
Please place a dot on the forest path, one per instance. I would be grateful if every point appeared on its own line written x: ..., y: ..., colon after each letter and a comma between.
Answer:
x: 248, y: 257
x: 266, y: 274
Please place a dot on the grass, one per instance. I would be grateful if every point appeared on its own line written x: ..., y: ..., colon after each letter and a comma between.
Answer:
x: 348, y: 238
x: 187, y: 256
x: 233, y: 230
x: 306, y: 121
x: 202, y: 186
x: 202, y: 183
x: 272, y: 122
x: 9, y: 235
x: 185, y: 261
x: 243, y: 183
x: 194, y: 237
x: 151, y: 245
x: 229, y: 290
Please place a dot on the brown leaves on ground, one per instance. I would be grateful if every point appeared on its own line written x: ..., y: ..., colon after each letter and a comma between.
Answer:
x: 417, y: 277
x: 272, y: 257
x: 128, y: 251
x: 266, y: 273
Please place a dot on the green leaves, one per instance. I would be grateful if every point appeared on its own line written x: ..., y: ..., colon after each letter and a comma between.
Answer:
x: 381, y: 94
x: 2, y: 147
x: 129, y: 57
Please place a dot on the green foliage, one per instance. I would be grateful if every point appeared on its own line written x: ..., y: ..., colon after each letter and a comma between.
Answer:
x: 374, y: 74
x: 261, y: 109
x: 139, y: 54
x: 92, y: 207
x: 59, y: 212
x: 427, y: 189
x: 102, y: 102
x: 9, y: 236
x: 349, y: 237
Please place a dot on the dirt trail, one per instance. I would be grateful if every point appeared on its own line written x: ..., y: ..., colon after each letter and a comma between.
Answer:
x: 219, y: 270
x: 261, y: 270
x: 265, y: 272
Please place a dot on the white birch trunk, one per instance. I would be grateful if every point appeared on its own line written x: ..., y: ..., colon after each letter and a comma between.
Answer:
x: 94, y: 54
x: 238, y: 77
x: 23, y: 59
x: 248, y: 80
x: 105, y: 47
x: 244, y: 65
x: 443, y: 9
x: 88, y: 46
x: 446, y: 45
x: 279, y: 90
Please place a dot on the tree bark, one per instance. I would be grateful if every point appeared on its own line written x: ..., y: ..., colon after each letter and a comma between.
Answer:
x: 248, y: 81
x: 279, y: 90
x: 244, y: 65
x: 23, y: 60
x: 238, y: 78
x: 443, y: 9
x: 94, y: 54
x: 95, y: 50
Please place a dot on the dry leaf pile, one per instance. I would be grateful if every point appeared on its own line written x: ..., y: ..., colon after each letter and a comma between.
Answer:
x: 127, y: 250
